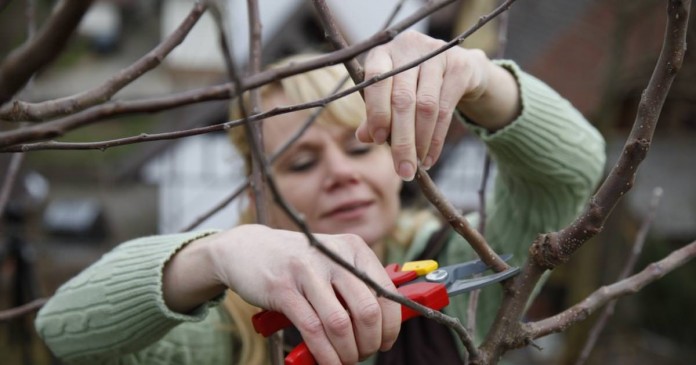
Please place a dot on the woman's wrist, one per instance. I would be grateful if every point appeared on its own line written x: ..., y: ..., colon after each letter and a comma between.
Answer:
x: 498, y: 105
x: 189, y: 278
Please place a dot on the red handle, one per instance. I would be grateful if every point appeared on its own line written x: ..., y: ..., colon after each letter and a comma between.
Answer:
x: 431, y: 295
x: 300, y: 355
x: 268, y: 322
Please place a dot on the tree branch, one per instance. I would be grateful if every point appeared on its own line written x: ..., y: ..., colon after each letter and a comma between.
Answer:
x: 10, y: 178
x: 23, y: 62
x: 628, y: 268
x: 62, y: 126
x: 24, y: 309
x: 551, y: 249
x: 333, y: 34
x: 218, y: 92
x: 601, y: 296
x: 255, y: 130
x: 24, y: 111
x: 459, y: 222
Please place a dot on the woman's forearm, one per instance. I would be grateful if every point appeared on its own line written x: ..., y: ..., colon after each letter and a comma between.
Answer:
x: 188, y: 279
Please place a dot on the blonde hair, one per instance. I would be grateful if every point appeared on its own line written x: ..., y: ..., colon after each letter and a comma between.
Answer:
x: 347, y: 111
x: 310, y: 86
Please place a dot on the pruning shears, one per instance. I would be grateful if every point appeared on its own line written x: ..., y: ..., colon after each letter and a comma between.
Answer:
x: 421, y: 281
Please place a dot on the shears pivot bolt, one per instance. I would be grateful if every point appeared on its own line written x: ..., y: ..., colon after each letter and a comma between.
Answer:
x: 437, y: 276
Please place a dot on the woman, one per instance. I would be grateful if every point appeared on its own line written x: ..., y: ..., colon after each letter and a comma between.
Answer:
x: 155, y: 299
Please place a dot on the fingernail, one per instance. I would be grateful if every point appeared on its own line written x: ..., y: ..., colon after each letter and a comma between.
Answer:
x: 380, y: 135
x: 427, y: 163
x: 406, y: 170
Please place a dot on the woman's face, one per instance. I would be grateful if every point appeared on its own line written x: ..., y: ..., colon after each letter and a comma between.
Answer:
x: 338, y: 184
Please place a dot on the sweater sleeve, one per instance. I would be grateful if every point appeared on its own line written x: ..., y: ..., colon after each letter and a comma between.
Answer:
x: 114, y: 311
x: 549, y: 161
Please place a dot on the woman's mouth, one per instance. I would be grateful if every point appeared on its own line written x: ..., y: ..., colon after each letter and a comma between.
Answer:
x: 350, y: 210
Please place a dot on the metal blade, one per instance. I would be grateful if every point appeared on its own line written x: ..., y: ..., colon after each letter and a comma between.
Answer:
x: 463, y: 286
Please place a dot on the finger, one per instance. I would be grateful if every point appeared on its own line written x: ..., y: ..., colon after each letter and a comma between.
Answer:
x: 303, y: 316
x: 365, y: 312
x: 403, y: 109
x: 427, y: 104
x: 377, y: 96
x: 390, y: 310
x: 335, y: 320
x: 451, y: 92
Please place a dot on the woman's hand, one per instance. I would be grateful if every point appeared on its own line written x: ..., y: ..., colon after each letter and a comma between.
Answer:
x: 278, y: 270
x: 414, y: 108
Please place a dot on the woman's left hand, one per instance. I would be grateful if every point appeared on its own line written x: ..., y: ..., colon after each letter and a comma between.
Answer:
x: 413, y: 109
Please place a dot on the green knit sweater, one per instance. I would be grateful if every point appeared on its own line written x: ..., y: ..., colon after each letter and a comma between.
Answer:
x: 549, y: 161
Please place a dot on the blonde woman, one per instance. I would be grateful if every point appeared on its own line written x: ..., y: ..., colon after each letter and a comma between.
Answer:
x: 187, y: 298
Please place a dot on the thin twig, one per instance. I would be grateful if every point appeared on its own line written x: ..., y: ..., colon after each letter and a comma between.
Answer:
x: 603, y: 295
x: 9, y: 182
x: 555, y: 248
x: 472, y: 308
x: 59, y: 127
x: 23, y: 62
x: 333, y: 34
x: 395, y: 11
x: 255, y: 131
x: 219, y: 206
x: 24, y: 111
x: 549, y: 250
x: 628, y: 268
x: 24, y: 309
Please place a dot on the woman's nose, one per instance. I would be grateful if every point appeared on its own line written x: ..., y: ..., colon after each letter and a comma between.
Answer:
x: 341, y: 170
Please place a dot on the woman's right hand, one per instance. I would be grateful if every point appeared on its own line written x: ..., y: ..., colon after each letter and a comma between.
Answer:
x: 278, y: 270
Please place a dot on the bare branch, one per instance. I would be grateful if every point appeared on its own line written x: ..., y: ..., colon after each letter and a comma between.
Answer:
x: 459, y: 222
x: 24, y: 111
x: 218, y: 92
x: 552, y: 249
x: 23, y: 62
x: 474, y: 295
x: 61, y: 126
x: 255, y: 130
x: 24, y: 309
x: 601, y: 296
x: 628, y: 268
x: 219, y: 206
x: 10, y: 177
x: 503, y: 20
x: 394, y: 13
x: 337, y: 40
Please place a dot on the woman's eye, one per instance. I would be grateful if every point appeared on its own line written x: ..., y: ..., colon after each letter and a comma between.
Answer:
x: 301, y: 165
x: 359, y: 150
